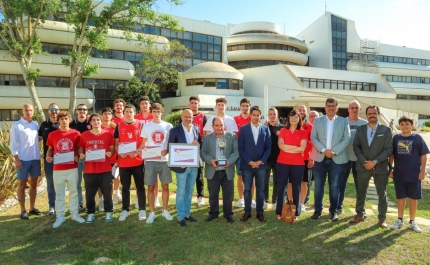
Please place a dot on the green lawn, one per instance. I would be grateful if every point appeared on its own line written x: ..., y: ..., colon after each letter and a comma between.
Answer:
x: 163, y: 242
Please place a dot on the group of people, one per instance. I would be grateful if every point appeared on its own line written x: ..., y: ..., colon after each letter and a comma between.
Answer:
x: 302, y: 150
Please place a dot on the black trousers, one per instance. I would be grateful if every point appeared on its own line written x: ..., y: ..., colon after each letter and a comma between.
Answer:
x: 220, y: 180
x: 94, y: 181
x: 271, y: 166
x: 138, y: 175
x: 200, y: 184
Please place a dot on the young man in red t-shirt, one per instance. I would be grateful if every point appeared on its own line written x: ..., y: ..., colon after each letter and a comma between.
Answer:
x: 199, y: 120
x: 127, y: 140
x: 97, y: 171
x: 242, y: 119
x: 118, y: 106
x: 62, y: 146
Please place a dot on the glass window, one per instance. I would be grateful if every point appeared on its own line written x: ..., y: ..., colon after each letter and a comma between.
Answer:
x: 210, y: 56
x: 197, y: 37
x: 130, y: 56
x: 199, y: 82
x: 204, y: 47
x: 43, y: 81
x: 211, y: 47
x: 217, y: 40
x: 119, y: 55
x: 197, y: 54
x: 15, y: 115
x: 64, y: 82
x: 414, y: 61
x: 312, y: 83
x: 64, y: 49
x: 165, y: 32
x: 210, y: 83
x: 333, y: 84
x: 359, y: 86
x: 5, y: 115
x: 347, y: 85
x: 210, y: 39
x: 188, y: 44
x: 217, y: 48
x: 196, y: 46
x: 188, y: 35
x: 235, y: 84
x: 373, y: 87
x: 366, y: 87
x: 204, y: 38
x: 190, y: 82
x: 217, y: 57
x: 204, y: 55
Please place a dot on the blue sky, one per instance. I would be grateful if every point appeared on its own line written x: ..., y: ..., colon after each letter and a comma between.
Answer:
x: 396, y: 22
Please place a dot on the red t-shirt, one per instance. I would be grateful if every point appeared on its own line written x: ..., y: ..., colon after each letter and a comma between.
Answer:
x: 142, y: 119
x: 64, y: 142
x: 125, y: 133
x: 308, y: 128
x: 117, y: 120
x: 240, y: 121
x: 112, y: 159
x: 198, y: 121
x: 292, y: 138
x: 90, y: 141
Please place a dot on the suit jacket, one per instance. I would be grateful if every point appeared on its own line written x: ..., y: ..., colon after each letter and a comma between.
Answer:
x: 339, y: 142
x: 208, y: 153
x: 380, y: 148
x: 249, y: 151
x: 177, y: 135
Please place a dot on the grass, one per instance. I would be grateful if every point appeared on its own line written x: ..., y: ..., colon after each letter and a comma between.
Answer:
x: 163, y: 242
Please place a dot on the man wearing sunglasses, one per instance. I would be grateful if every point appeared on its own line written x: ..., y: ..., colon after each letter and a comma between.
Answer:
x: 82, y: 125
x: 46, y: 127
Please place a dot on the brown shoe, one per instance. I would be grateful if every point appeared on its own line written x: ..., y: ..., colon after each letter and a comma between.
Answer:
x: 357, y: 219
x: 261, y: 218
x: 382, y: 224
x: 245, y: 217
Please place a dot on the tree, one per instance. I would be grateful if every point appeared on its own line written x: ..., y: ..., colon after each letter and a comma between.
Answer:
x: 125, y: 14
x: 163, y: 64
x: 134, y: 91
x: 20, y: 19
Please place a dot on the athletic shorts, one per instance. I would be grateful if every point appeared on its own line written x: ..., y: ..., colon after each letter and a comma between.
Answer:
x: 29, y: 168
x: 405, y: 189
x: 154, y: 168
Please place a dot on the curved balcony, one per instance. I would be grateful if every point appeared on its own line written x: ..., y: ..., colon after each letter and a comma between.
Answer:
x: 267, y: 38
x: 279, y: 55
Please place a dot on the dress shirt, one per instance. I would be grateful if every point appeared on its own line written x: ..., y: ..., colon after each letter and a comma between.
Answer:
x: 330, y: 128
x: 189, y: 135
x: 255, y: 132
x: 371, y: 133
x: 24, y: 140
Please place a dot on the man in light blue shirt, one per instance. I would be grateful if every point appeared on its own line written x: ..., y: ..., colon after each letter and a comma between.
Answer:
x: 24, y: 146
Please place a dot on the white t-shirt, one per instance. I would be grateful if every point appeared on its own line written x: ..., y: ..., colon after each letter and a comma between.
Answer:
x: 157, y: 135
x: 229, y: 123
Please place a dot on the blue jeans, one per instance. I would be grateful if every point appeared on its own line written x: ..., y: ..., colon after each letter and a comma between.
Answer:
x: 184, y: 191
x: 81, y: 166
x: 248, y: 176
x: 321, y: 169
x: 343, y: 180
x: 49, y: 172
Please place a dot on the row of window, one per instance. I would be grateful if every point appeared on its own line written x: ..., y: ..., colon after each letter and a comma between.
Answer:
x: 256, y: 63
x: 407, y: 79
x: 338, y: 84
x: 262, y: 46
x: 254, y: 31
x: 218, y: 83
x: 339, y: 33
x: 412, y: 97
x: 425, y: 117
x: 390, y: 59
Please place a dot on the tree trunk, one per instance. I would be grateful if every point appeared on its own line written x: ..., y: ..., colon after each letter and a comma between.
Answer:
x: 73, y: 83
x: 33, y: 93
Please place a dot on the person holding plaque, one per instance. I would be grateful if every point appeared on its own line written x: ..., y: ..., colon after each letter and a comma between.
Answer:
x: 255, y: 145
x: 62, y: 151
x: 220, y: 152
x: 154, y: 151
x: 127, y: 140
x: 95, y: 148
x: 186, y: 133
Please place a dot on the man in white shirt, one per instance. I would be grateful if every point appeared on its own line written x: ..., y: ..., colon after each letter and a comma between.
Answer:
x: 155, y: 134
x: 229, y: 123
x: 24, y: 146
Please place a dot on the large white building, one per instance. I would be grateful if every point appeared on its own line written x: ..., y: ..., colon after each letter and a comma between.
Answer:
x: 252, y: 59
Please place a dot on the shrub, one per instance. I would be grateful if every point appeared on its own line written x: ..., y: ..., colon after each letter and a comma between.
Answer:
x: 427, y: 123
x: 174, y: 118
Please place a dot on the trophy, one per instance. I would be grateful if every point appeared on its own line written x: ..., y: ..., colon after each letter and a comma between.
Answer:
x: 222, y: 161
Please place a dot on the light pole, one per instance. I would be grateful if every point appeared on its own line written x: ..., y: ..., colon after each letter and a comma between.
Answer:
x: 94, y: 96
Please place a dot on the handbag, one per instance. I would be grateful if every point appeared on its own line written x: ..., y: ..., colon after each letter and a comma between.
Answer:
x: 288, y: 211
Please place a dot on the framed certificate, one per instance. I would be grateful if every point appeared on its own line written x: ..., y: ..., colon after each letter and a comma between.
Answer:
x: 151, y: 152
x: 64, y: 158
x: 184, y: 155
x: 97, y: 155
x: 126, y: 148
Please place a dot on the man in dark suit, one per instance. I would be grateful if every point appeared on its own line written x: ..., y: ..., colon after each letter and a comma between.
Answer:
x: 254, y: 145
x: 186, y: 133
x: 220, y: 175
x: 373, y: 144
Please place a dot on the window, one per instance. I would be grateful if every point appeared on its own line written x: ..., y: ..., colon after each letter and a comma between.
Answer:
x: 199, y: 82
x: 210, y: 83
x: 235, y: 84
x: 190, y: 82
x: 221, y: 83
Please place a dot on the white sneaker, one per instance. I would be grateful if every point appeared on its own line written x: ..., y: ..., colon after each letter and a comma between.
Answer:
x: 167, y: 215
x: 201, y: 201
x: 151, y: 218
x: 90, y: 218
x: 265, y: 205
x: 253, y: 204
x: 303, y: 208
x: 240, y: 203
x: 397, y: 225
x: 78, y: 218
x: 415, y: 227
x: 137, y: 204
x: 117, y: 198
x: 101, y: 204
x: 123, y: 216
x: 51, y: 211
x: 108, y: 217
x: 60, y: 220
x: 156, y: 202
x: 142, y: 215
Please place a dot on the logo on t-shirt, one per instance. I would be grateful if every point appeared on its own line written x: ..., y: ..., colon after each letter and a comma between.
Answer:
x: 404, y: 147
x: 158, y: 137
x: 65, y: 144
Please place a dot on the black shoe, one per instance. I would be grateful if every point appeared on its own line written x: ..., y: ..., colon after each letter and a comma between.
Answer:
x: 211, y: 218
x: 245, y: 217
x: 35, y: 212
x: 230, y: 219
x: 182, y: 223
x: 334, y: 217
x: 191, y: 219
x: 316, y: 215
x: 24, y: 215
